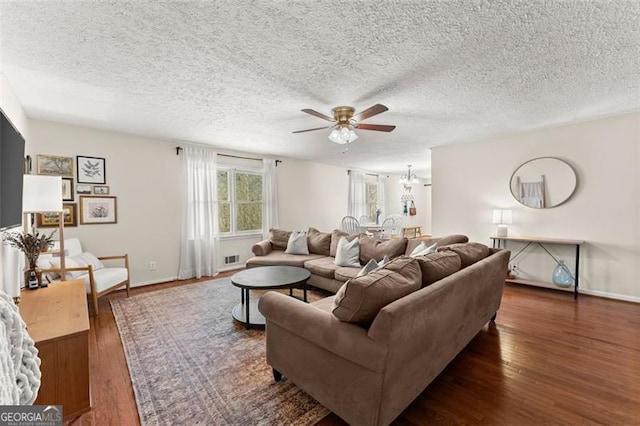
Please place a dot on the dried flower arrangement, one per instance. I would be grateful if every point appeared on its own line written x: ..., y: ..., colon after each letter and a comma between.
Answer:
x: 30, y: 244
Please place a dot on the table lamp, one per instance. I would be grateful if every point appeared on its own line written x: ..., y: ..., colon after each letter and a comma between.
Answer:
x: 502, y: 218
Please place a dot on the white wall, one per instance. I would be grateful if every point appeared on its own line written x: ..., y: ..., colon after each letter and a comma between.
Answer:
x: 422, y: 199
x: 144, y: 175
x: 311, y: 194
x: 469, y: 180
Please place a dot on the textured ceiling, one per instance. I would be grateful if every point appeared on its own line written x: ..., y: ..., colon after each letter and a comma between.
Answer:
x: 236, y: 74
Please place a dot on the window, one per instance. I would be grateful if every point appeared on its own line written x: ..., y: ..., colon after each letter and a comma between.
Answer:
x: 239, y: 201
x: 371, y: 196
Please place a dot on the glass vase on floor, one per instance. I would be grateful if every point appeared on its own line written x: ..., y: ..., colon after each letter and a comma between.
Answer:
x: 562, y: 275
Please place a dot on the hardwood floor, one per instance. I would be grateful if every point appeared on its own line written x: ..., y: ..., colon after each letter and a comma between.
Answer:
x: 547, y: 360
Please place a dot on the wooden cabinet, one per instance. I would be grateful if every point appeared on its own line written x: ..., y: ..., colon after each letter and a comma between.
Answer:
x: 57, y: 320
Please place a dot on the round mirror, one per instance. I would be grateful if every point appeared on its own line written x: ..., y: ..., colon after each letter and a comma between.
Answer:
x: 543, y: 183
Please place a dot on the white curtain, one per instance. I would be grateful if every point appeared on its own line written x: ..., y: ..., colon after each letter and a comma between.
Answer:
x: 269, y: 197
x: 357, y: 204
x: 382, y: 202
x: 199, y: 245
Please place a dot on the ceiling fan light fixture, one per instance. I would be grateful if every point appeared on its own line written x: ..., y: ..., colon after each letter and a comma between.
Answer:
x: 342, y: 136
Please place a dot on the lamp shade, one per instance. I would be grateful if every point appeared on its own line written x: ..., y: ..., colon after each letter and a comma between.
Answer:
x: 502, y: 217
x: 41, y: 194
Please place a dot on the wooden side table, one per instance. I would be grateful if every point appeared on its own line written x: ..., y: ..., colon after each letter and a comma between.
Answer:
x: 411, y: 231
x: 57, y: 320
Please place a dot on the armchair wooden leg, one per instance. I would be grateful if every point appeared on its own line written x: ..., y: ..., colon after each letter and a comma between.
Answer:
x: 94, y: 296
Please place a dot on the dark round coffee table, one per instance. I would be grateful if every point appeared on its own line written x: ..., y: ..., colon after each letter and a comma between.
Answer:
x: 263, y: 278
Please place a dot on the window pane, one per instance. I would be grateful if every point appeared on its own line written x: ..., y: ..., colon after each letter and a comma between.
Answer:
x: 249, y: 216
x: 248, y: 187
x: 224, y: 217
x: 223, y: 185
x: 372, y: 201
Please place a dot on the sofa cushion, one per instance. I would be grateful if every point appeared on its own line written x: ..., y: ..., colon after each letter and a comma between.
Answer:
x: 373, y: 248
x: 469, y: 253
x: 406, y: 266
x: 335, y: 237
x: 297, y: 243
x: 261, y: 248
x: 435, y: 266
x: 279, y: 238
x: 278, y: 257
x: 346, y: 273
x: 319, y: 242
x: 452, y: 239
x: 360, y: 299
x: 323, y: 267
x: 348, y: 252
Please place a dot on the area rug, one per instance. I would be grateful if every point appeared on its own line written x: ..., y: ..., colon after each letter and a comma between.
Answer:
x: 191, y: 363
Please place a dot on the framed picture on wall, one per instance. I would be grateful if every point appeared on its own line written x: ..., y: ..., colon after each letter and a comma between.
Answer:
x: 98, y: 210
x: 83, y: 189
x: 67, y: 189
x: 53, y: 165
x: 50, y: 220
x: 91, y: 170
x: 100, y: 189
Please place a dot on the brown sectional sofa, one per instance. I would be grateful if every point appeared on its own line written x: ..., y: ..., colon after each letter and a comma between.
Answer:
x: 367, y: 371
x: 325, y: 274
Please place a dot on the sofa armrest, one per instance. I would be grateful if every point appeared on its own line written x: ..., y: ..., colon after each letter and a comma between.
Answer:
x: 323, y: 329
x: 261, y: 248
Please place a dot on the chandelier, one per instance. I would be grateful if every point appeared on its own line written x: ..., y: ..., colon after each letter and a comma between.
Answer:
x: 409, y: 178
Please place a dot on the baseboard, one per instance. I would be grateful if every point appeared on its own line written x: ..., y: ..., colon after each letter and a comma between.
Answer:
x: 158, y: 281
x: 608, y: 295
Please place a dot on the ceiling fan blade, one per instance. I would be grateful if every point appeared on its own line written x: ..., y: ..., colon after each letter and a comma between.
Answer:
x: 378, y: 127
x: 318, y: 114
x: 311, y: 130
x: 370, y: 112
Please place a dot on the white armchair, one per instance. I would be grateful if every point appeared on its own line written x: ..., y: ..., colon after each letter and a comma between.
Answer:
x: 99, y: 279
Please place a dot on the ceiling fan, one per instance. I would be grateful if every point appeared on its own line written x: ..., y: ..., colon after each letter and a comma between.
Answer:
x: 345, y: 122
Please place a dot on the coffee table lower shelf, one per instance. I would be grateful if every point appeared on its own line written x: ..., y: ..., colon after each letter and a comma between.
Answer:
x: 255, y: 317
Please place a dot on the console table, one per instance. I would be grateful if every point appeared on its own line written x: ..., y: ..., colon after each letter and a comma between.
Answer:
x: 57, y: 320
x: 540, y: 241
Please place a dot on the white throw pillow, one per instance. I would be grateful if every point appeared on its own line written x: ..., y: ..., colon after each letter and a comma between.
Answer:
x: 422, y: 249
x: 348, y: 252
x: 69, y: 263
x: 89, y: 259
x: 372, y: 265
x: 297, y: 243
x: 384, y: 261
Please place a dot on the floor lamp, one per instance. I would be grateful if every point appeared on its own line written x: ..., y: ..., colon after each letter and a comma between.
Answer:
x: 43, y: 194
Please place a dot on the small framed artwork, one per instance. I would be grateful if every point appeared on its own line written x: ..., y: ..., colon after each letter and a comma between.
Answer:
x: 91, y: 170
x: 100, y: 190
x: 54, y: 165
x: 67, y: 189
x: 98, y: 210
x: 49, y: 220
x: 83, y: 189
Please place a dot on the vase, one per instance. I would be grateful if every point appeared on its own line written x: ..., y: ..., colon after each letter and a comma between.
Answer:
x: 562, y: 275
